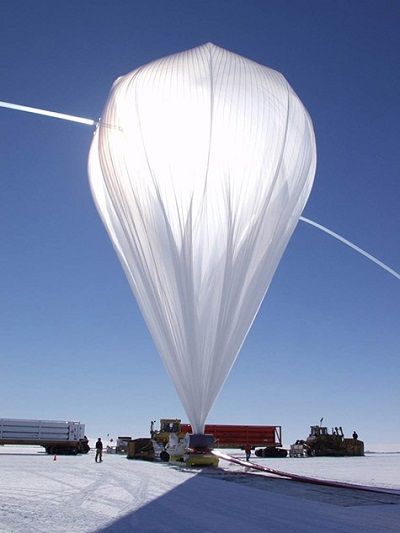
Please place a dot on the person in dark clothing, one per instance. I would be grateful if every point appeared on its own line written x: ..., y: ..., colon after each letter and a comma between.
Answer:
x: 99, y: 451
x: 248, y: 451
x: 355, y: 436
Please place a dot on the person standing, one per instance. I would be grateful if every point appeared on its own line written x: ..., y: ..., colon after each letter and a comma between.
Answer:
x: 248, y: 451
x: 99, y: 451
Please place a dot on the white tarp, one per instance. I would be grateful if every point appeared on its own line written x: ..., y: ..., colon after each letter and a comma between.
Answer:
x: 200, y: 173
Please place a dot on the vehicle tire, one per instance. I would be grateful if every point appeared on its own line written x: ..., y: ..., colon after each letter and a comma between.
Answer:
x: 85, y: 448
x: 271, y: 452
x: 164, y: 456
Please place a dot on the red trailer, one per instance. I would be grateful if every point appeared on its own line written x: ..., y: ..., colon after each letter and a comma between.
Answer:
x: 230, y: 436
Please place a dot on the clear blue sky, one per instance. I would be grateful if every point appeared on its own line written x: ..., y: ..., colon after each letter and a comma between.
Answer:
x: 73, y: 344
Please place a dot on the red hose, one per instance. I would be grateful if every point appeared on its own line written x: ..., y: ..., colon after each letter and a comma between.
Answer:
x: 302, y: 479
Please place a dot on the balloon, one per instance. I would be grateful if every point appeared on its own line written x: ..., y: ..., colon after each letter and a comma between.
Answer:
x: 200, y: 173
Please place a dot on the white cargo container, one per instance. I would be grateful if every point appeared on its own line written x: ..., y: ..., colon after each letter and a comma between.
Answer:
x: 56, y: 436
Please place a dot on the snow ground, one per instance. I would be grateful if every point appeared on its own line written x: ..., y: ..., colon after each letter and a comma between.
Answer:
x: 376, y: 470
x: 74, y: 494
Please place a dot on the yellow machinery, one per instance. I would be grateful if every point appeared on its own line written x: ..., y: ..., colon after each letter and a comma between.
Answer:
x: 195, y: 450
x: 199, y: 451
x: 140, y: 449
x: 321, y: 443
x: 167, y: 427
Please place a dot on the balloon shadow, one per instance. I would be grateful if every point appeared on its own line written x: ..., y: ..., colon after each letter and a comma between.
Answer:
x: 208, y: 503
x: 192, y: 506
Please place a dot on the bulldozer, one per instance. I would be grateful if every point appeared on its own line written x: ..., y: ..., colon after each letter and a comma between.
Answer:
x: 321, y: 443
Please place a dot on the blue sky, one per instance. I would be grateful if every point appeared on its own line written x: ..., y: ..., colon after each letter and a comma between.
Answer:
x: 73, y: 344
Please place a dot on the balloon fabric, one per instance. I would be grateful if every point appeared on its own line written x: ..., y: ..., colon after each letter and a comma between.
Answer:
x: 200, y: 181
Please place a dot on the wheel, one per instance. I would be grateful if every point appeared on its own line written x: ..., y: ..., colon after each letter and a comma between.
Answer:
x: 85, y: 448
x: 164, y: 456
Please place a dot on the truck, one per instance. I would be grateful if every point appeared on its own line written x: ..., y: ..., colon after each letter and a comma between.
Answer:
x: 268, y: 439
x: 56, y: 436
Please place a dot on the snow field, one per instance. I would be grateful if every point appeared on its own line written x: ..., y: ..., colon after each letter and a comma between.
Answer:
x: 74, y: 494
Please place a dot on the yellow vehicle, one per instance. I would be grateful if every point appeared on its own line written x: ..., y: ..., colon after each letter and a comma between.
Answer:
x: 167, y: 426
x: 141, y: 449
x: 195, y: 452
x: 321, y: 443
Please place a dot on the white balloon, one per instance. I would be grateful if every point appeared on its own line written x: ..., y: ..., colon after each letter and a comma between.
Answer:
x: 200, y: 182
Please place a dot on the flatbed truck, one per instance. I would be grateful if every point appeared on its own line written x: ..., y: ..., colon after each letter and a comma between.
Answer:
x: 56, y: 436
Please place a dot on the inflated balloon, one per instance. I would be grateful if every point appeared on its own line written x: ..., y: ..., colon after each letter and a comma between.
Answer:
x: 200, y: 183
